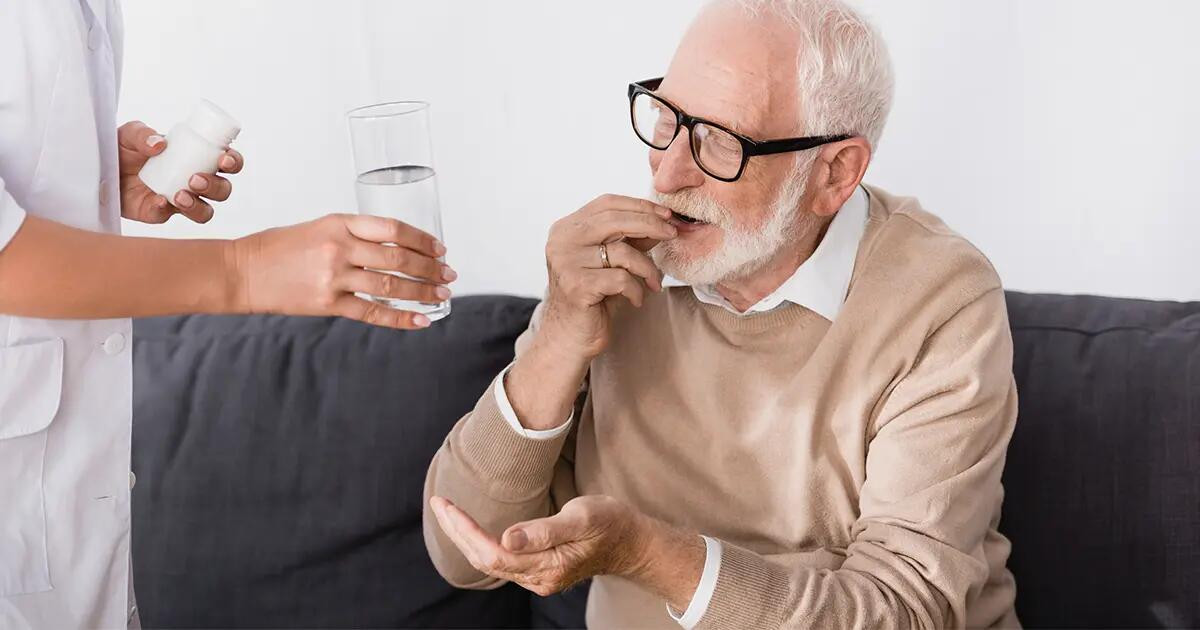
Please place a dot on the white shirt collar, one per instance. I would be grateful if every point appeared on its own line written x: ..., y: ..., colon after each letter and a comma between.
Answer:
x: 821, y: 282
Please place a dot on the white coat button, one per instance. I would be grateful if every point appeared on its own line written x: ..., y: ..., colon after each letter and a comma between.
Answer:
x: 94, y: 35
x: 104, y: 192
x: 114, y: 344
x: 132, y: 479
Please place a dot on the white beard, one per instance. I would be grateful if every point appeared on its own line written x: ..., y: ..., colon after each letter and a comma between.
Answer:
x: 742, y: 251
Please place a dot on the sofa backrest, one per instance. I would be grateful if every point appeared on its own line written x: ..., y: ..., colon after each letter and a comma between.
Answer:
x: 1102, y: 483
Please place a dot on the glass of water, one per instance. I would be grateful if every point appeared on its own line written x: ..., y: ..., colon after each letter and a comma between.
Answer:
x: 395, y: 178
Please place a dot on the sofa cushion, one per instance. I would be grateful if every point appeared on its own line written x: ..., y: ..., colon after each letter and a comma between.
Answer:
x: 280, y: 464
x: 1103, y: 474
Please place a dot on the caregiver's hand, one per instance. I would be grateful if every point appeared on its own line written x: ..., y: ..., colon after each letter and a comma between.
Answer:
x: 315, y: 268
x: 137, y: 143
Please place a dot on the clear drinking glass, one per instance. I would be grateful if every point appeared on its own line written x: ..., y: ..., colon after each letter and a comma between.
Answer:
x: 393, y: 164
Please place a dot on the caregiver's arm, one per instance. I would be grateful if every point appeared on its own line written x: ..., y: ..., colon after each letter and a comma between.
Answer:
x: 54, y: 271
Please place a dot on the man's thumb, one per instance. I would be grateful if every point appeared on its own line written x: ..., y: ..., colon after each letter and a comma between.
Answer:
x: 538, y: 535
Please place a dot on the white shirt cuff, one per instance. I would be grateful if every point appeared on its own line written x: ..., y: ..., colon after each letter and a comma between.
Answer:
x: 704, y: 591
x: 11, y: 216
x: 510, y: 416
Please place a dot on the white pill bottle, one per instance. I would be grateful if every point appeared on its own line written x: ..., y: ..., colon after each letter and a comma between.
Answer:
x: 193, y: 146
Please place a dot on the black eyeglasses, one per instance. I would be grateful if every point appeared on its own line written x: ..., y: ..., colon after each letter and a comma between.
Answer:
x: 719, y: 151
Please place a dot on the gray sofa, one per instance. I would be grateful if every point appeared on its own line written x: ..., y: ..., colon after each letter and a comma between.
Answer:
x: 280, y: 464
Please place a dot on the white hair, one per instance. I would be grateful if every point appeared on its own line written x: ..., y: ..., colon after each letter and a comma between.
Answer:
x: 846, y: 79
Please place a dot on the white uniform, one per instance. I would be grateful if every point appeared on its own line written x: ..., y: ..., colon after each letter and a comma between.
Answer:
x: 65, y: 386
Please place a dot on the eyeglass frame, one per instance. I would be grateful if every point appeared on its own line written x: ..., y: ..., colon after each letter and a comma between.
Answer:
x: 750, y: 148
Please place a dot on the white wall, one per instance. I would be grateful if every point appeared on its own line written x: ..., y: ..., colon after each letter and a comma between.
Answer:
x: 1059, y: 136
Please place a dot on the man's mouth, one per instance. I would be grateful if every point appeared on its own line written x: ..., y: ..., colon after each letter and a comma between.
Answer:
x: 686, y: 219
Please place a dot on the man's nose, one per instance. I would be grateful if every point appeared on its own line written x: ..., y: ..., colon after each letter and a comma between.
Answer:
x: 676, y: 169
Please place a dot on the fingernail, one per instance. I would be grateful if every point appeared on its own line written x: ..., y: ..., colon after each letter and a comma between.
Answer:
x: 228, y: 162
x: 449, y: 274
x: 154, y: 141
x: 664, y: 213
x: 420, y: 321
x: 443, y: 293
x: 439, y: 249
x: 672, y: 231
x: 517, y: 539
x: 183, y: 200
x: 197, y: 183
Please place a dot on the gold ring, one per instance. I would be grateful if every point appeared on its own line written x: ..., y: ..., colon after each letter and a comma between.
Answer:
x: 604, y: 256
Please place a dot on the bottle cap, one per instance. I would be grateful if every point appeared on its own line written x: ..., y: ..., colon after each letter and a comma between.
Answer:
x: 213, y: 123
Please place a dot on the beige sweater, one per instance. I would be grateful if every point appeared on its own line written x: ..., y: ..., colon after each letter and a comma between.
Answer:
x: 851, y: 469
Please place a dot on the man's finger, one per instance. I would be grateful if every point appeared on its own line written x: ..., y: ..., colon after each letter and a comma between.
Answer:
x: 231, y: 162
x: 610, y: 282
x: 385, y: 230
x: 352, y: 307
x: 611, y: 225
x: 630, y: 204
x: 541, y: 534
x: 438, y: 505
x: 622, y: 255
x: 643, y: 244
x: 489, y: 555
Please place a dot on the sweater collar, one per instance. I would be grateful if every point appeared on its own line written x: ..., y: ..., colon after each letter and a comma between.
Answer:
x: 819, y: 283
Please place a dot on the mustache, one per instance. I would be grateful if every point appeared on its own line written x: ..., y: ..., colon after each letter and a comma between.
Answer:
x: 692, y: 203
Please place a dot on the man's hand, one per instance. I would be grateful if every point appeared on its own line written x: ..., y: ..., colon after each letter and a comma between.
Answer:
x: 315, y: 268
x: 574, y: 315
x: 137, y: 143
x: 573, y: 327
x: 590, y: 536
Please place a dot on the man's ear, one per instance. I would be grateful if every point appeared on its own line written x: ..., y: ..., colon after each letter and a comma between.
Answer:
x: 839, y: 169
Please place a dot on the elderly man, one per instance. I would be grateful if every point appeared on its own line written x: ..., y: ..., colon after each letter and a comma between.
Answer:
x: 803, y: 422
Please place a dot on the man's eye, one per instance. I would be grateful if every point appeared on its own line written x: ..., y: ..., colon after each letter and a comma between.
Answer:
x: 723, y: 146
